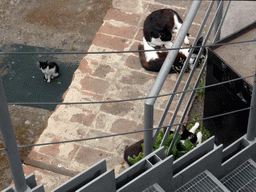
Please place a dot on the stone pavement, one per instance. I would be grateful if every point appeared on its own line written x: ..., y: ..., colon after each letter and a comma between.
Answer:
x: 105, y: 77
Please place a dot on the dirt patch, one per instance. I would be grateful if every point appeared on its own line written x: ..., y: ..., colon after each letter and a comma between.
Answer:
x: 28, y: 124
x: 65, y: 24
x: 197, y: 109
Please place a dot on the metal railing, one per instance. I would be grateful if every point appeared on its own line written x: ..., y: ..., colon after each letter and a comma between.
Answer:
x: 7, y: 129
x: 10, y: 144
x: 217, y: 21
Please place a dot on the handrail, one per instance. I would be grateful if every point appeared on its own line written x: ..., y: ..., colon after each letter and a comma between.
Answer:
x: 10, y: 144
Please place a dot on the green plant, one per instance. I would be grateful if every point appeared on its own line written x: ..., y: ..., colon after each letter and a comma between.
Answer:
x: 178, y: 148
x: 135, y: 158
x: 201, y: 92
x: 187, y: 146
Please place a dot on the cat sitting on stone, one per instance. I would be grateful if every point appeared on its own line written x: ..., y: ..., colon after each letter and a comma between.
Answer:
x: 50, y: 70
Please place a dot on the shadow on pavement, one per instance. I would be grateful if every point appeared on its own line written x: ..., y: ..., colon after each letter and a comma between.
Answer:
x: 23, y: 80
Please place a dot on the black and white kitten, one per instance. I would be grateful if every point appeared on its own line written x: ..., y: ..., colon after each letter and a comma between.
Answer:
x: 159, y: 26
x: 190, y: 134
x: 50, y: 70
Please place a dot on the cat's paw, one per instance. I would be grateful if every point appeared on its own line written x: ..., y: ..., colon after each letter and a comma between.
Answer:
x: 186, y: 41
x: 168, y: 45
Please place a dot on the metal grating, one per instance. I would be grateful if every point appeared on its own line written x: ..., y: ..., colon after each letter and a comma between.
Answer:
x: 154, y: 188
x: 203, y: 183
x: 242, y: 178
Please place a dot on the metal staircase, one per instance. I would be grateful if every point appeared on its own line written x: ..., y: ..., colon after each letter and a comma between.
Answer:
x: 205, y: 168
x: 204, y: 182
x: 242, y: 178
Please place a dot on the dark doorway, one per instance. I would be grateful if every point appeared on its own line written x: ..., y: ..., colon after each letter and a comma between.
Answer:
x: 225, y: 98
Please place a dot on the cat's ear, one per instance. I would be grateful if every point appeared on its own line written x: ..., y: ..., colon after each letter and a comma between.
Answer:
x: 183, y: 128
x: 200, y: 41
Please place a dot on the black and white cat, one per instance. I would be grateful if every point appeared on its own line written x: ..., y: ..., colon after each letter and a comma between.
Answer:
x: 190, y: 134
x: 136, y: 148
x: 159, y: 26
x: 158, y: 29
x: 50, y: 70
x: 153, y: 60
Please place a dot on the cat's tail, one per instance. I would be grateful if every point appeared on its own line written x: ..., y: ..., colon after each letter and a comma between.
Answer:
x: 194, y: 128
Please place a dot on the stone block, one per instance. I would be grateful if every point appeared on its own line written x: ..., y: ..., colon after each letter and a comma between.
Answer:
x: 110, y: 42
x: 120, y: 109
x: 133, y: 62
x: 121, y: 31
x: 124, y: 125
x: 85, y: 118
x: 88, y: 156
x: 114, y: 14
x: 94, y: 85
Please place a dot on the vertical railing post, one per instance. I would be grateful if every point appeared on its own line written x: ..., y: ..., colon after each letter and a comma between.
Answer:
x: 148, y: 125
x: 10, y: 144
x: 217, y: 21
x: 250, y: 135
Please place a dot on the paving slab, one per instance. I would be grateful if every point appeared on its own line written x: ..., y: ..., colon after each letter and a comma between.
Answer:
x: 106, y: 77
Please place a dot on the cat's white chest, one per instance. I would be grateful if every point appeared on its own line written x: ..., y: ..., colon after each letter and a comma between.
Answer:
x: 151, y: 55
x: 48, y: 71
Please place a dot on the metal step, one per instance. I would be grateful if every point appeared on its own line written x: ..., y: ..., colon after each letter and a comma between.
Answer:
x: 242, y: 178
x: 204, y: 182
x: 95, y: 178
x: 154, y: 188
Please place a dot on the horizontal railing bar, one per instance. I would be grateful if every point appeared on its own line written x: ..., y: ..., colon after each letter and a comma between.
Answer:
x: 126, y: 100
x: 133, y: 132
x: 131, y: 51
